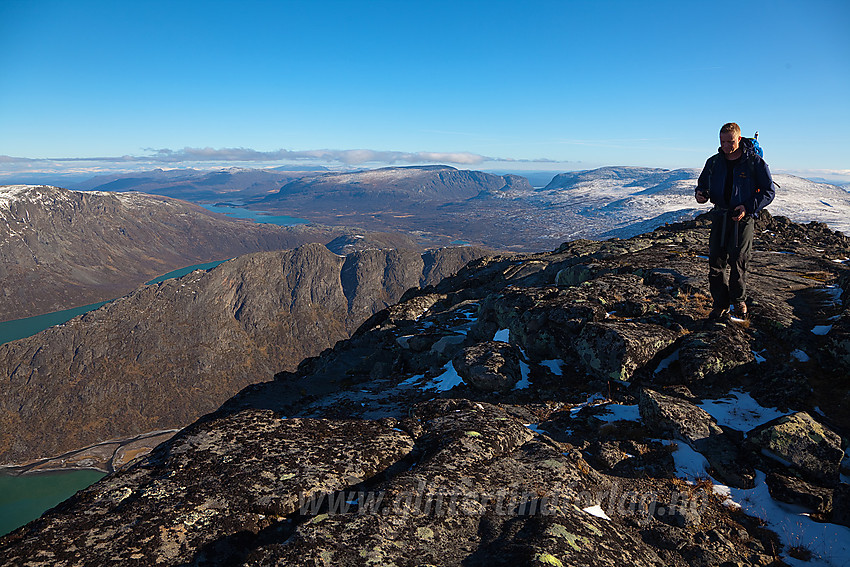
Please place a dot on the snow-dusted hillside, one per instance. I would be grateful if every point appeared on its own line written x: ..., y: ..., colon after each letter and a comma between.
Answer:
x: 624, y: 201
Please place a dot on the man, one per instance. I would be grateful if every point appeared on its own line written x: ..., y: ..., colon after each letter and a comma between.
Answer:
x: 738, y: 182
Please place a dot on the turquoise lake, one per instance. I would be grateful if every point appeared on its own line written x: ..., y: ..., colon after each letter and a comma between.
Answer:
x: 256, y: 216
x: 25, y: 498
x: 20, y: 328
x: 183, y: 271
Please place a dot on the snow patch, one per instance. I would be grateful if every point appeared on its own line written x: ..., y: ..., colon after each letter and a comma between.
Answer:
x: 412, y: 380
x: 739, y: 411
x: 597, y: 397
x: 524, y: 383
x: 800, y: 355
x: 502, y: 336
x: 535, y: 427
x: 690, y: 465
x: 445, y: 381
x: 833, y: 292
x: 617, y: 412
x: 821, y: 329
x: 596, y: 511
x: 556, y: 366
x: 829, y: 543
x: 667, y: 362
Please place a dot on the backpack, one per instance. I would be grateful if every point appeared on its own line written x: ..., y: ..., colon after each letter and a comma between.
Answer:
x: 753, y: 144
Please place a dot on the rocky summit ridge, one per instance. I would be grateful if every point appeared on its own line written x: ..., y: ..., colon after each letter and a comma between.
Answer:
x: 566, y: 408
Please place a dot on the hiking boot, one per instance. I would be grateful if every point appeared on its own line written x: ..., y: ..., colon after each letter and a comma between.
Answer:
x: 740, y: 310
x: 718, y: 313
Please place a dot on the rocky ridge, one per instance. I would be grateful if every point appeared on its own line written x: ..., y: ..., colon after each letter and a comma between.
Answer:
x: 168, y: 353
x: 565, y: 408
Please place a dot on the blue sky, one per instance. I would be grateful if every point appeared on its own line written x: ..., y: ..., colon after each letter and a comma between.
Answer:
x: 537, y: 85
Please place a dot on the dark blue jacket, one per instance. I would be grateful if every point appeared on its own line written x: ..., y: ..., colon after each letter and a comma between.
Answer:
x: 752, y: 186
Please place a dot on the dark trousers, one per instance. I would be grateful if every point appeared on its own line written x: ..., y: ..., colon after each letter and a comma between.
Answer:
x: 730, y: 243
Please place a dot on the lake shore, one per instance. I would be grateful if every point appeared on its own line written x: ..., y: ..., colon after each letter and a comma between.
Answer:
x: 106, y: 456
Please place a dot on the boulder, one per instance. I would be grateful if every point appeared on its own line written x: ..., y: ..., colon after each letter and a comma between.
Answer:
x: 490, y: 366
x: 797, y: 491
x: 709, y: 353
x: 578, y: 274
x: 668, y: 415
x: 800, y: 442
x: 160, y: 512
x: 614, y: 350
x: 728, y: 463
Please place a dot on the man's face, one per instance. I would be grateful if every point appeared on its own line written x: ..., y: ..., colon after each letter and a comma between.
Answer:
x: 729, y: 142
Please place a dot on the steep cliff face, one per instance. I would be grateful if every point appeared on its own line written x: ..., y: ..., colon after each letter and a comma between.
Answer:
x: 62, y: 249
x: 165, y: 354
x: 567, y: 408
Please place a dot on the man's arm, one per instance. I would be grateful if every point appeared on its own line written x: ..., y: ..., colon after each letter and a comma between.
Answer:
x: 765, y: 191
x: 701, y: 193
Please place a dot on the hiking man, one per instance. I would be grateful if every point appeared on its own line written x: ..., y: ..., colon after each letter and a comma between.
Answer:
x: 738, y: 182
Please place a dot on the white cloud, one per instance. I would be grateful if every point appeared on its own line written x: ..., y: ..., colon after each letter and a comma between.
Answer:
x: 348, y: 157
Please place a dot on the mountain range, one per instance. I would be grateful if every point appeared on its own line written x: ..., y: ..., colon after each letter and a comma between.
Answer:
x: 233, y: 184
x: 62, y: 249
x: 570, y: 407
x: 440, y: 204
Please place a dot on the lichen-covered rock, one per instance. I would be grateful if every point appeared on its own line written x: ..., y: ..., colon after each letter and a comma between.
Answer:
x: 806, y: 445
x: 710, y: 353
x: 613, y: 351
x: 491, y: 366
x: 578, y: 274
x: 203, y: 490
x: 668, y: 415
x: 543, y: 321
x: 484, y: 493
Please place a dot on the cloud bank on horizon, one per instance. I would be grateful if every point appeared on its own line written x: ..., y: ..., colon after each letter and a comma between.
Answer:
x: 218, y: 157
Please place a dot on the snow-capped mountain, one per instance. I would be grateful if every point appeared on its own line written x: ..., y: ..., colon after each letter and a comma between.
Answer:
x: 624, y: 201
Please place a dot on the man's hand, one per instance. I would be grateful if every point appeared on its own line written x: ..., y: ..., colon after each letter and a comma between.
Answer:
x: 738, y: 213
x: 701, y: 197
